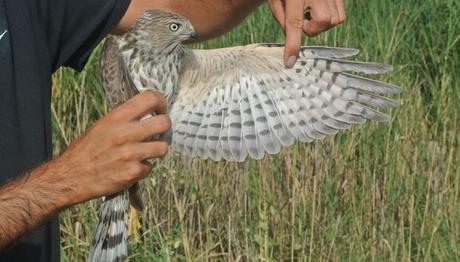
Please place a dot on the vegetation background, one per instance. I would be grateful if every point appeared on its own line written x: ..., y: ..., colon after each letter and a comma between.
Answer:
x: 378, y: 192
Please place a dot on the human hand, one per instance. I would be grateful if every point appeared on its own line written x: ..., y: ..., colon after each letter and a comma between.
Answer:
x: 109, y: 156
x: 290, y: 14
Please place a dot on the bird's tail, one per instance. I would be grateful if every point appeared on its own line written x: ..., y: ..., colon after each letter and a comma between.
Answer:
x: 110, y: 241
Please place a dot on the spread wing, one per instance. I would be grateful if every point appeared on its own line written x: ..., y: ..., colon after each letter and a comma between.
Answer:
x: 242, y: 101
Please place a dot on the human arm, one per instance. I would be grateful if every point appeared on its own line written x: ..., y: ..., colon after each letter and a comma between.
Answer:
x: 107, y: 158
x: 210, y: 18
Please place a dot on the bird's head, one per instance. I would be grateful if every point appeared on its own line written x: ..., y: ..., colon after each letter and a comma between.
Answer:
x: 162, y: 30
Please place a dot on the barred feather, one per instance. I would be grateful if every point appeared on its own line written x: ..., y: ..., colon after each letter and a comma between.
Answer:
x: 109, y: 243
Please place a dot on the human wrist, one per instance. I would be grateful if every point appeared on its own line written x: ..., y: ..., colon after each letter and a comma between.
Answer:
x: 50, y: 181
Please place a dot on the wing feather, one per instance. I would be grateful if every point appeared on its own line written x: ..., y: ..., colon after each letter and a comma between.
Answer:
x: 271, y: 112
x: 261, y: 122
x: 249, y: 134
x: 242, y: 101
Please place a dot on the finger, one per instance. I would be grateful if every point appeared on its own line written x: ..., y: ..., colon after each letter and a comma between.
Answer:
x: 278, y: 12
x: 341, y: 10
x: 137, y: 171
x: 153, y: 149
x: 320, y: 18
x: 140, y: 151
x: 139, y: 131
x: 155, y: 125
x: 334, y: 13
x: 293, y: 31
x: 140, y: 105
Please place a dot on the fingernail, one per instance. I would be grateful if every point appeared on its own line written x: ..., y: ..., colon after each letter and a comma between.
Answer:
x: 291, y: 61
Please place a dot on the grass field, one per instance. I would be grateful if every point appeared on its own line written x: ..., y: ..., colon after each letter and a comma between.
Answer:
x: 378, y: 192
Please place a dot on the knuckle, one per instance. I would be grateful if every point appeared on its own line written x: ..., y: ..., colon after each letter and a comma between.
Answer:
x: 119, y: 139
x: 136, y: 172
x: 294, y: 22
x: 126, y: 155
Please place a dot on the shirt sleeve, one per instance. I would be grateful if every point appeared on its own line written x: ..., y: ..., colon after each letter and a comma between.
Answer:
x: 75, y: 27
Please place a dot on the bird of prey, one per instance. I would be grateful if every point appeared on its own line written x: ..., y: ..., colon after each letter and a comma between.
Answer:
x: 230, y: 103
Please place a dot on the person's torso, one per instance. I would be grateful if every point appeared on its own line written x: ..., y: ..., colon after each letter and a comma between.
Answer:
x: 25, y: 137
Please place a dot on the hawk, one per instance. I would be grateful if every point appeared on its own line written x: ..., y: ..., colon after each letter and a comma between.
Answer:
x: 230, y: 103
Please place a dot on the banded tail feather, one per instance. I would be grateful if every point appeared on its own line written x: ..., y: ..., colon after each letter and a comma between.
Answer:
x: 110, y: 240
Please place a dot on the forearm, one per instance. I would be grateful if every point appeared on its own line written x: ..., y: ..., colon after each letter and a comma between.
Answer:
x: 106, y: 159
x: 210, y: 18
x: 29, y: 201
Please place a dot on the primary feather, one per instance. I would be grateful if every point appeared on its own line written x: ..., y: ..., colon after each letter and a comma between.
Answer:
x: 231, y: 103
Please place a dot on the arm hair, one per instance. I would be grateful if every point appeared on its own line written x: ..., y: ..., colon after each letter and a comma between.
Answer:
x: 28, y: 201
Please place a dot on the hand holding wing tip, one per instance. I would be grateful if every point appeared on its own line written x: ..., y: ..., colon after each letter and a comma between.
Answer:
x: 302, y: 16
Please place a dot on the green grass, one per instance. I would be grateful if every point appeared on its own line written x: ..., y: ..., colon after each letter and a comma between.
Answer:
x: 378, y: 192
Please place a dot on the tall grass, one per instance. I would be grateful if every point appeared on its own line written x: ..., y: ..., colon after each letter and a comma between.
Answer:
x: 379, y: 192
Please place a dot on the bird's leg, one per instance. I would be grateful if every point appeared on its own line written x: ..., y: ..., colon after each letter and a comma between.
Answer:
x: 136, y: 204
x: 134, y: 225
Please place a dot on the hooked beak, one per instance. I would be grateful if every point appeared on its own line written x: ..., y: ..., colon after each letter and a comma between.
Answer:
x: 194, y: 35
x: 191, y: 35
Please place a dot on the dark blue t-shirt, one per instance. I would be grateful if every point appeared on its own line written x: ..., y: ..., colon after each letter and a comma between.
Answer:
x: 36, y: 38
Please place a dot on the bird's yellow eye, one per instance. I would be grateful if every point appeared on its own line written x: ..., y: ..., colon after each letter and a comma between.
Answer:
x: 174, y: 27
